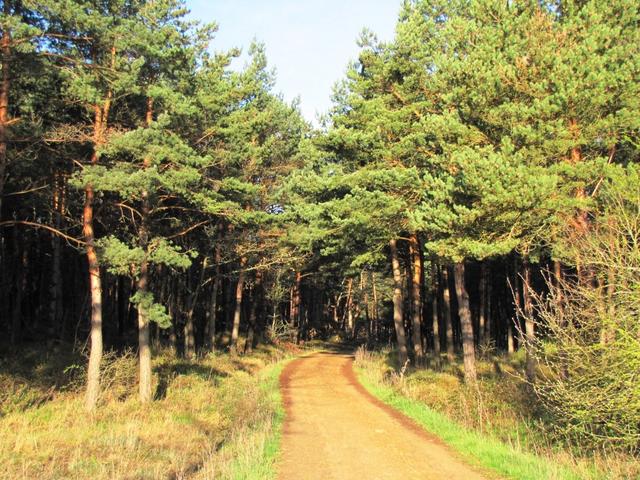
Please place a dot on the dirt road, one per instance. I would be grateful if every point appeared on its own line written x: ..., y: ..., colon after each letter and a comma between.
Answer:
x: 335, y: 430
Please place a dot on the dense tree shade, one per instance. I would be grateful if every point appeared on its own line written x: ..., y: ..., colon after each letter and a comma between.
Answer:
x: 153, y: 196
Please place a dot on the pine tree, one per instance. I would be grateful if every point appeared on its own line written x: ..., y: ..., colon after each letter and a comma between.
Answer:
x: 89, y: 43
x: 254, y: 135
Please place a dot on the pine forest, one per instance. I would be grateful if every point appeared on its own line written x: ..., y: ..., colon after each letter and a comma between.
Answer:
x: 196, y: 281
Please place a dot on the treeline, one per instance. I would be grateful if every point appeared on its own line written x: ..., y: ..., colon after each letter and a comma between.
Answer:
x: 153, y: 193
x: 486, y: 160
x: 487, y: 134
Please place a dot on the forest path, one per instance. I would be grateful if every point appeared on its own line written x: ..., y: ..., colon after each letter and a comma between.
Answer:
x: 335, y: 430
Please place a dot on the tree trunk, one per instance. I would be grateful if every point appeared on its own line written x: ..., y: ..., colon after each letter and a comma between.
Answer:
x: 416, y: 297
x: 435, y: 327
x: 336, y: 316
x: 489, y: 335
x: 101, y: 116
x: 303, y: 327
x: 144, y: 347
x: 173, y: 313
x: 190, y: 340
x: 95, y: 355
x: 248, y: 348
x: 367, y: 305
x: 5, y: 85
x: 446, y: 310
x: 517, y: 300
x: 482, y: 318
x: 295, y: 306
x: 349, y: 307
x: 123, y: 304
x: 55, y: 302
x: 511, y: 347
x: 292, y: 302
x: 4, y: 274
x: 398, y: 307
x: 213, y: 306
x: 376, y: 325
x: 581, y: 221
x: 229, y: 293
x: 557, y: 273
x: 233, y: 347
x: 529, y: 342
x: 22, y: 251
x: 466, y: 324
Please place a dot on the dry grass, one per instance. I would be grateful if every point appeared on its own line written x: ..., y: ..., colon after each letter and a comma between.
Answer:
x: 205, y: 414
x: 502, y: 408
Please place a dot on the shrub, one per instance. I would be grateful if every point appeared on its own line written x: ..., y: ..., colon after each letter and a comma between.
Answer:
x: 589, y: 371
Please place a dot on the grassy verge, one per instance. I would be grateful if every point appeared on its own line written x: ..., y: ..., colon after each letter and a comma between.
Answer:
x: 477, y: 449
x: 495, y: 453
x: 251, y: 454
x: 216, y: 417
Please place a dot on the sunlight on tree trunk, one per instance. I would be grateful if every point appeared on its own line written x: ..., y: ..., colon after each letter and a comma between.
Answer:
x: 468, y: 348
x: 398, y: 315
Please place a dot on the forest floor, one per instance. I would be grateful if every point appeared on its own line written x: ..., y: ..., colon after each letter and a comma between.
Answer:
x: 222, y: 416
x: 218, y: 416
x: 334, y: 429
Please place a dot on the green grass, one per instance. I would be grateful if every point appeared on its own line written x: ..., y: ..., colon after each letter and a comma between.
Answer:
x: 256, y: 453
x: 272, y: 446
x: 481, y: 450
x: 217, y: 417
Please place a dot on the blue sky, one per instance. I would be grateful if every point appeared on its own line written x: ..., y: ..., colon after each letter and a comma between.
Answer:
x: 308, y: 42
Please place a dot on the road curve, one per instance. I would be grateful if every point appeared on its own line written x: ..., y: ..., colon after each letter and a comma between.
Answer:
x: 335, y: 430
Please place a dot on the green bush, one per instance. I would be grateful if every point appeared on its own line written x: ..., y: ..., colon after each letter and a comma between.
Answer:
x: 589, y: 369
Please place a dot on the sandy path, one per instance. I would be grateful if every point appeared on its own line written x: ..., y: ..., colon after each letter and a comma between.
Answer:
x: 335, y: 430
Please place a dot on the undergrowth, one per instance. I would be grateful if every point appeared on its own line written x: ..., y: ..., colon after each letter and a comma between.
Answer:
x: 499, y: 425
x: 215, y: 417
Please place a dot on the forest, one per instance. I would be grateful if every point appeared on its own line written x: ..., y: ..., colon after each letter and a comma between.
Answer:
x: 470, y: 204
